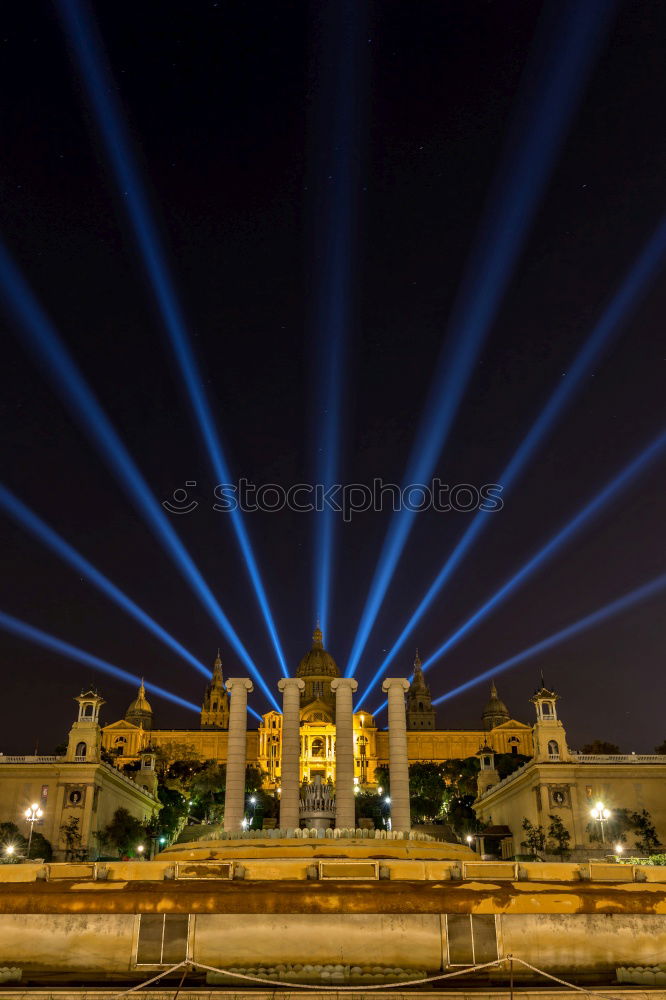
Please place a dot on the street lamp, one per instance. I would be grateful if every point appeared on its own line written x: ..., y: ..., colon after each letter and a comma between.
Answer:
x: 469, y: 838
x: 602, y: 815
x: 618, y: 849
x: 139, y: 850
x: 32, y: 815
x: 9, y: 850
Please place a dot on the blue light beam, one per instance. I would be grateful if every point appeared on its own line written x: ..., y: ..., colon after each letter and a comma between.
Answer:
x: 591, y: 510
x: 30, y: 521
x: 634, y: 597
x: 560, y: 62
x: 25, y: 631
x: 334, y: 257
x: 41, y: 337
x: 101, y: 90
x: 623, y: 302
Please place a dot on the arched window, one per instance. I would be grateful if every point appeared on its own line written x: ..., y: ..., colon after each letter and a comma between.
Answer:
x: 215, y: 706
x: 553, y: 748
x: 547, y: 708
x: 420, y: 706
x: 120, y: 739
x: 88, y: 710
x: 317, y: 749
x: 81, y: 749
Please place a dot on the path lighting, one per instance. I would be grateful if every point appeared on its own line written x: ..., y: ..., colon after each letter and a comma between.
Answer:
x: 32, y: 815
x: 140, y: 849
x: 469, y: 838
x: 618, y: 849
x: 9, y: 850
x: 602, y: 815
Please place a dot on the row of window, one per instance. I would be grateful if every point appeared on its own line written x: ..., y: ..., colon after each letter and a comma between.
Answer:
x: 471, y: 939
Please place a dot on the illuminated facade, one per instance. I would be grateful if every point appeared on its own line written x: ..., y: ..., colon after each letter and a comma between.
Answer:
x: 128, y: 736
x: 76, y: 788
x: 560, y: 781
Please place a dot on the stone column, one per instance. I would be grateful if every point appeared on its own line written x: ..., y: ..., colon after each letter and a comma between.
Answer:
x: 345, y: 811
x: 291, y: 688
x: 234, y: 796
x: 396, y: 687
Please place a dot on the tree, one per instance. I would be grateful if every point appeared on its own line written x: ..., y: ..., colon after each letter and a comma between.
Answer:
x: 370, y: 805
x: 168, y: 754
x: 173, y: 814
x: 661, y: 748
x: 600, y: 747
x: 71, y: 835
x: 383, y: 779
x: 462, y: 776
x: 460, y: 815
x: 40, y: 847
x: 507, y: 763
x: 206, y: 790
x: 535, y: 838
x: 426, y: 791
x: 646, y: 834
x: 621, y: 823
x: 559, y: 838
x: 11, y: 836
x: 124, y: 832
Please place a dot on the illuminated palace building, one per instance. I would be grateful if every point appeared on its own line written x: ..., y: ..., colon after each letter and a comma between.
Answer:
x: 317, y: 669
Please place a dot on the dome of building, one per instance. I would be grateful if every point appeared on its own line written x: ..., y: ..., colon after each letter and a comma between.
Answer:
x: 317, y: 663
x: 495, y: 713
x: 140, y: 711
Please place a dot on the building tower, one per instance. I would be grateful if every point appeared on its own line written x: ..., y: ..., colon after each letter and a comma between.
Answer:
x: 317, y: 669
x: 85, y: 736
x: 550, y: 739
x: 215, y: 708
x: 488, y: 775
x: 147, y: 776
x: 140, y: 712
x: 495, y: 713
x: 420, y: 713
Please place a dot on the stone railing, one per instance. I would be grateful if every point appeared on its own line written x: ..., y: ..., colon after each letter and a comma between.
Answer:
x: 505, y: 781
x: 28, y: 759
x: 123, y: 777
x: 313, y: 834
x: 617, y: 758
x: 33, y: 759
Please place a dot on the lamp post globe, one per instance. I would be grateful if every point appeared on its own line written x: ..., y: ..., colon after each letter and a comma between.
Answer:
x: 601, y: 814
x: 32, y: 814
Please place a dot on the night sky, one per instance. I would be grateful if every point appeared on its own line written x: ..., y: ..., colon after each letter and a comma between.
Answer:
x: 226, y: 104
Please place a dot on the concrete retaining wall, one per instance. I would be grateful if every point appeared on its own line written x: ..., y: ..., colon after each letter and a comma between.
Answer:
x: 105, y: 944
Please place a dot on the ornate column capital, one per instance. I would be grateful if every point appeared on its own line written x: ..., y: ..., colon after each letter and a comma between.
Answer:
x: 240, y: 682
x: 291, y: 682
x: 394, y: 682
x: 344, y: 682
